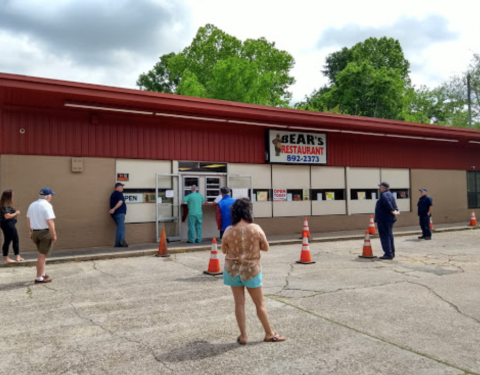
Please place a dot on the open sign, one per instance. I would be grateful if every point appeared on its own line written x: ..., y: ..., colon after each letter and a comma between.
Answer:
x: 133, y: 198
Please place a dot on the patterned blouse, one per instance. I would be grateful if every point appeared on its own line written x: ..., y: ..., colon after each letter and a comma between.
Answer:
x: 242, y: 247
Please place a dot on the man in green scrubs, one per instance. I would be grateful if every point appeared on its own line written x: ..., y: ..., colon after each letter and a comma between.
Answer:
x: 194, y: 202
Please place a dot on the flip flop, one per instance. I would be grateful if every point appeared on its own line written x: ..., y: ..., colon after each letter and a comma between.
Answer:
x: 275, y: 338
x: 240, y: 341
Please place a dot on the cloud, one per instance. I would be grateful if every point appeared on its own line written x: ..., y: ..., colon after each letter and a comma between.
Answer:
x: 414, y: 34
x: 93, y: 32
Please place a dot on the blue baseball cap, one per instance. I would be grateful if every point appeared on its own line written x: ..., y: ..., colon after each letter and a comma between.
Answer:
x: 47, y: 191
x: 423, y: 189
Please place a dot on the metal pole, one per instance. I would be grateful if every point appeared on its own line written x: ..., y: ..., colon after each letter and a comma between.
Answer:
x: 469, y: 103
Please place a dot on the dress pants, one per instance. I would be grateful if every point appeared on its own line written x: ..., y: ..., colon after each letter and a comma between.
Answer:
x: 425, y: 225
x: 385, y: 231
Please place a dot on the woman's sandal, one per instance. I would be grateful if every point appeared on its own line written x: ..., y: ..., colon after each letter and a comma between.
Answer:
x: 240, y: 341
x: 275, y: 338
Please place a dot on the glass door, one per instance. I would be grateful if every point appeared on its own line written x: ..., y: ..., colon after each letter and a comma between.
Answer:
x: 167, y: 210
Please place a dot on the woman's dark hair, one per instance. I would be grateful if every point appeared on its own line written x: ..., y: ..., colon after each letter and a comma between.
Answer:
x: 242, y: 209
x: 6, y: 199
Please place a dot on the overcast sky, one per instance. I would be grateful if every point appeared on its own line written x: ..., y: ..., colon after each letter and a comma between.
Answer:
x: 111, y: 42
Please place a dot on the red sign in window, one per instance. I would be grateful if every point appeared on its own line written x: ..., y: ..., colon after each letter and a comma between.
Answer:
x: 122, y: 176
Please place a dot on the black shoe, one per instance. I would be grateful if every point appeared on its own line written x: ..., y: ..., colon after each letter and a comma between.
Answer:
x: 428, y: 238
x: 190, y: 242
x: 386, y: 258
x: 421, y: 238
x: 123, y: 243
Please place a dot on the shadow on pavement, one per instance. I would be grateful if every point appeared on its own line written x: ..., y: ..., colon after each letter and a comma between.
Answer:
x: 200, y: 278
x: 198, y: 350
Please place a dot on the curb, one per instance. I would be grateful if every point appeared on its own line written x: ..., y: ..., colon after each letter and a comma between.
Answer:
x: 141, y: 253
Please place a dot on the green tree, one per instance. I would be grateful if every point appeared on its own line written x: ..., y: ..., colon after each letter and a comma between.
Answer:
x: 369, y: 79
x: 446, y: 104
x: 260, y: 72
x: 159, y: 79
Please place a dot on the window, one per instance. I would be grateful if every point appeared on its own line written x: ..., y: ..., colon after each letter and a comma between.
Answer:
x: 328, y: 195
x: 473, y: 189
x: 401, y: 193
x: 364, y: 194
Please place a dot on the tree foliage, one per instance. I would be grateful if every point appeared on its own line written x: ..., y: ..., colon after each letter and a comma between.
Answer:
x: 219, y: 66
x: 368, y: 79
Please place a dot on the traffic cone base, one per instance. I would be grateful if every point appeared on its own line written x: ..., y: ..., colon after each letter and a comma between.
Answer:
x: 162, y: 247
x: 214, y: 264
x: 300, y: 262
x: 367, y: 247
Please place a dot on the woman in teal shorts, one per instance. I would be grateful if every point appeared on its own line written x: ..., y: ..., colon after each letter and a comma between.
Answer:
x: 242, y: 243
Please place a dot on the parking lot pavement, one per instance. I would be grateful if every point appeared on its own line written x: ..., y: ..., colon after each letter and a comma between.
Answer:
x: 417, y: 314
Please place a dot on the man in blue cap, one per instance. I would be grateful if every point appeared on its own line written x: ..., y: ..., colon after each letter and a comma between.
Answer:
x: 40, y: 218
x: 386, y: 212
x: 425, y: 204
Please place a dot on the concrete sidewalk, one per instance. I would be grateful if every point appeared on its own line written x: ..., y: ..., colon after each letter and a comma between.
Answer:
x: 148, y: 249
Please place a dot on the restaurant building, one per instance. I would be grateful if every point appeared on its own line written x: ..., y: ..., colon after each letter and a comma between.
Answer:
x: 80, y: 139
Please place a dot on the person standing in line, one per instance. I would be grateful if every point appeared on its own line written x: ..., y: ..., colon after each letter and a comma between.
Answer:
x: 40, y: 222
x: 194, y: 202
x: 242, y: 243
x: 8, y: 221
x: 118, y: 210
x: 218, y: 214
x: 386, y: 212
x: 225, y: 205
x: 425, y: 204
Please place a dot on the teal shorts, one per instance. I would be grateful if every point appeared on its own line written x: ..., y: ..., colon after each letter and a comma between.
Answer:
x: 256, y: 282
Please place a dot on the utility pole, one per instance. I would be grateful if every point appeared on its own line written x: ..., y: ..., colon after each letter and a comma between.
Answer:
x: 469, y: 102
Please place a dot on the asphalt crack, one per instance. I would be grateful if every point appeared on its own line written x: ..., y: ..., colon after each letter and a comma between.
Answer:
x: 114, y: 334
x: 455, y: 307
x: 425, y: 355
x: 101, y: 271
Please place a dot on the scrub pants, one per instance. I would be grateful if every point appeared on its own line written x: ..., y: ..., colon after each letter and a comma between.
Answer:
x: 425, y: 225
x: 385, y: 231
x: 195, y: 225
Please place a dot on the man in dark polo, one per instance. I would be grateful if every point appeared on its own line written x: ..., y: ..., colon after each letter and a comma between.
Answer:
x: 425, y: 204
x: 386, y: 212
x: 118, y: 210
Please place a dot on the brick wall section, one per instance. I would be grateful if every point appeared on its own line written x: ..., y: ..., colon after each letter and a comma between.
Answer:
x: 448, y: 188
x: 81, y: 202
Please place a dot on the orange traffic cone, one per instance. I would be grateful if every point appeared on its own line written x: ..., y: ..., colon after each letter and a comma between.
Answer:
x: 214, y: 264
x: 367, y: 247
x: 473, y: 220
x: 371, y: 227
x: 305, y: 257
x: 306, y: 230
x: 162, y: 247
x: 431, y: 224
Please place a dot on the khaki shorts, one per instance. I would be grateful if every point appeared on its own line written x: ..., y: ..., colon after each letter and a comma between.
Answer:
x: 43, y: 240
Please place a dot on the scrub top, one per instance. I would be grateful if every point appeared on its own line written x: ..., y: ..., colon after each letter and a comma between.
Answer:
x: 194, y: 203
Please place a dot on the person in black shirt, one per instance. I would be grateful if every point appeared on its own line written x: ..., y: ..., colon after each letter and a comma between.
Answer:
x: 8, y: 221
x: 425, y: 204
x: 118, y: 210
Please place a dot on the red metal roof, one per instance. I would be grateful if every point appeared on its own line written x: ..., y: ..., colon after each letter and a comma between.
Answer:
x: 18, y: 91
